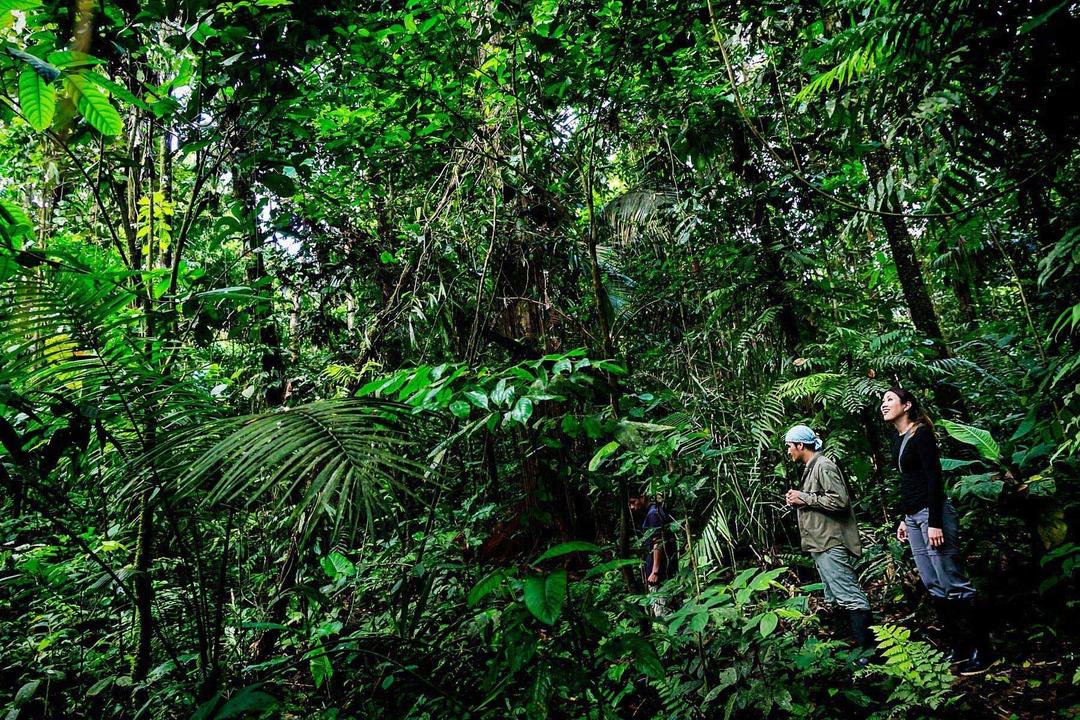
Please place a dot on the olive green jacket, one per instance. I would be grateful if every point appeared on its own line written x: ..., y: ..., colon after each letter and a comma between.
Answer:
x: 827, y: 520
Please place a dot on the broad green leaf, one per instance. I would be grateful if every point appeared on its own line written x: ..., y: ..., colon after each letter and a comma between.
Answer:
x: 68, y: 59
x: 14, y: 223
x: 645, y: 657
x: 544, y: 596
x: 460, y: 409
x: 610, y: 565
x: 116, y: 90
x: 503, y: 393
x: 37, y: 99
x: 48, y: 71
x: 768, y: 624
x: 1044, y: 17
x: 26, y: 692
x: 278, y: 183
x: 742, y: 578
x: 601, y: 454
x: 95, y: 106
x: 523, y: 410
x: 983, y: 486
x: 264, y: 626
x: 592, y: 426
x: 477, y: 398
x: 766, y: 579
x: 321, y: 669
x: 646, y: 427
x: 100, y: 685
x: 1039, y: 486
x: 1025, y: 427
x: 489, y: 584
x: 336, y: 565
x: 543, y: 14
x: 952, y: 464
x: 969, y: 435
x: 421, y: 378
x: 246, y: 701
x: 6, y: 6
x: 566, y: 548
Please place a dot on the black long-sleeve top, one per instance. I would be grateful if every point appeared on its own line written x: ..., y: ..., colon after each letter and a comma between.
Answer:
x: 921, y: 484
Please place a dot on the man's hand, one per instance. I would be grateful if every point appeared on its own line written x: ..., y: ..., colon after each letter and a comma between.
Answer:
x: 794, y: 497
x: 936, y: 537
x: 901, y: 531
x: 654, y: 578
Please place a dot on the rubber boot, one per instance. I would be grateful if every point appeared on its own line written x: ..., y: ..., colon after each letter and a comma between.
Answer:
x: 952, y: 642
x: 860, y: 630
x: 974, y: 649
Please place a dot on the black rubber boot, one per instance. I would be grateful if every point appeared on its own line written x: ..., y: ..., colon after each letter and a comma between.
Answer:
x: 860, y: 628
x: 952, y: 640
x: 974, y: 648
x: 864, y: 638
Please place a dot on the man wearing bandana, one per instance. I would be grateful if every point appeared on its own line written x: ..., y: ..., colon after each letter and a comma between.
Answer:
x: 828, y: 529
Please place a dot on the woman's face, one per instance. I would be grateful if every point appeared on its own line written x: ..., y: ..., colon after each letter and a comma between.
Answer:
x: 892, y: 408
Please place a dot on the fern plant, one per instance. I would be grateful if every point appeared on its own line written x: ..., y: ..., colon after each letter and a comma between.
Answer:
x: 919, y: 672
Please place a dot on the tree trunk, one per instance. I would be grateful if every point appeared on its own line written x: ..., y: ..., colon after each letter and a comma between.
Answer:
x: 909, y: 272
x: 144, y: 589
x: 908, y: 267
x: 632, y: 580
x: 272, y: 361
x: 286, y: 580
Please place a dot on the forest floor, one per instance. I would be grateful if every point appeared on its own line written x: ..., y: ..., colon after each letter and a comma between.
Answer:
x: 1035, y: 682
x: 1030, y: 676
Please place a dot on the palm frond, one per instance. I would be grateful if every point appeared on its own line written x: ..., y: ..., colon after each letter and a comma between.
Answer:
x: 713, y: 548
x: 640, y: 215
x: 75, y: 333
x: 342, y: 458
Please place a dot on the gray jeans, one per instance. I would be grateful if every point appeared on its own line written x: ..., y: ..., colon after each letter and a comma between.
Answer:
x: 837, y: 571
x: 939, y: 568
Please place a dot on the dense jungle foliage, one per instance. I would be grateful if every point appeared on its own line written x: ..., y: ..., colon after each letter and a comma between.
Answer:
x: 334, y: 338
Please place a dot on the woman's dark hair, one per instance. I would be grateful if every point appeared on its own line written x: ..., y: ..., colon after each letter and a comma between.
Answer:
x: 915, y: 413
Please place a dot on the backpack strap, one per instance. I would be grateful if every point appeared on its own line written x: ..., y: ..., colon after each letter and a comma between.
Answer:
x: 903, y: 446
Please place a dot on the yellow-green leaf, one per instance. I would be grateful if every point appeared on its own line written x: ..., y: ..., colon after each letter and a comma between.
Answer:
x: 602, y: 454
x: 978, y: 437
x: 37, y: 99
x: 95, y: 106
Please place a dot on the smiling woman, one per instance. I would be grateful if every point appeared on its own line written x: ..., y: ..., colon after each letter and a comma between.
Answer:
x: 931, y: 527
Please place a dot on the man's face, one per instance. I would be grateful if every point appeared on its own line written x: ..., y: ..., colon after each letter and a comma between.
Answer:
x: 794, y: 451
x: 637, y: 504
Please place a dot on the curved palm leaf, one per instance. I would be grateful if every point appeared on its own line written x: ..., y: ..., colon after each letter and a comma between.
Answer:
x: 340, y: 458
x: 74, y: 332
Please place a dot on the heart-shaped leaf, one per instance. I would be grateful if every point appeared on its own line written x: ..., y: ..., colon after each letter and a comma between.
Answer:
x: 544, y: 596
